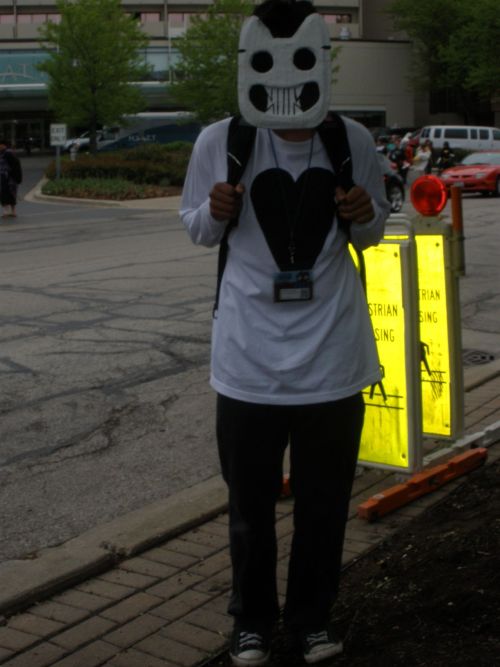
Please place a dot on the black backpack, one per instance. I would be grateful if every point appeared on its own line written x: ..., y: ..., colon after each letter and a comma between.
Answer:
x: 240, y: 141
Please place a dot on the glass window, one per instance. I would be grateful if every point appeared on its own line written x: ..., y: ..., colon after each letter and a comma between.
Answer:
x: 54, y: 18
x: 150, y: 17
x: 437, y: 133
x: 496, y: 135
x: 473, y: 133
x: 24, y: 18
x: 39, y: 18
x: 6, y: 19
x: 483, y: 134
x: 455, y: 133
x: 176, y: 20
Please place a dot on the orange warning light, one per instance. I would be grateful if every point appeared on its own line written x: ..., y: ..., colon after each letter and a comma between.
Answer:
x: 428, y: 195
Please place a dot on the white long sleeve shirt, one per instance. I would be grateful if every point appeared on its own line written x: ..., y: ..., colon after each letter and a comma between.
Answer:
x: 298, y: 352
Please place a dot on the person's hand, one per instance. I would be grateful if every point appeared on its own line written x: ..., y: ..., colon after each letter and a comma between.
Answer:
x: 354, y: 206
x: 225, y: 201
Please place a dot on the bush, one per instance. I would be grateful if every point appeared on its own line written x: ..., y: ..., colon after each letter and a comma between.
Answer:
x: 159, y: 152
x: 96, y: 188
x: 154, y: 164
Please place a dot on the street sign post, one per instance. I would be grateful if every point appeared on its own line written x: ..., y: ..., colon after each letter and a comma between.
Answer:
x: 58, y: 134
x: 58, y: 137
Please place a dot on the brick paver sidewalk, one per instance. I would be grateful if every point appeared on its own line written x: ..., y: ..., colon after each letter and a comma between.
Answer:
x: 166, y: 607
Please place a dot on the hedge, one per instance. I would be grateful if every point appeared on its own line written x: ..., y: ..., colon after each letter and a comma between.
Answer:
x: 154, y: 164
x: 98, y: 188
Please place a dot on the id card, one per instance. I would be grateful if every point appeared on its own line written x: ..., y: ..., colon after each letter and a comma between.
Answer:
x: 293, y: 286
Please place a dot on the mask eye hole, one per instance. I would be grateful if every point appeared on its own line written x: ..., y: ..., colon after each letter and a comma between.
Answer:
x: 304, y: 59
x: 262, y: 61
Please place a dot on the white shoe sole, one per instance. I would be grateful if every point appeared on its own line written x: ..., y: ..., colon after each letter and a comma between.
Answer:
x: 318, y: 656
x: 250, y: 662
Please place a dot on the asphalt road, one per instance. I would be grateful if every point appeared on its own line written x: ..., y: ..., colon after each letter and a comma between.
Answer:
x: 105, y: 318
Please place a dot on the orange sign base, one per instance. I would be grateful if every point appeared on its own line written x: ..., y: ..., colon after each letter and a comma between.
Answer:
x: 420, y: 484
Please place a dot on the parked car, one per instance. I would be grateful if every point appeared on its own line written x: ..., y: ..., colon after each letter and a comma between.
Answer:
x: 468, y: 137
x: 394, y: 186
x: 378, y: 132
x: 82, y: 142
x: 477, y: 172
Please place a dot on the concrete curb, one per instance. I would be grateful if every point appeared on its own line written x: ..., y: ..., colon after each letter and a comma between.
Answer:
x: 24, y: 582
x: 477, y: 375
x: 158, y: 203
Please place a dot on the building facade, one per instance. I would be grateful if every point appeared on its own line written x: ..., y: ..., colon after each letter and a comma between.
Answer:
x: 372, y: 81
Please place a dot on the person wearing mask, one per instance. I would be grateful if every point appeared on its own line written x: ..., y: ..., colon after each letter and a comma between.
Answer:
x: 292, y: 341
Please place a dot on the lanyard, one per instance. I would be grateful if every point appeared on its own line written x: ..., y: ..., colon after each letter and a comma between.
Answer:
x: 292, y: 220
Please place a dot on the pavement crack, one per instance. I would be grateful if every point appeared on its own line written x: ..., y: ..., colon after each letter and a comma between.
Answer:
x: 67, y: 449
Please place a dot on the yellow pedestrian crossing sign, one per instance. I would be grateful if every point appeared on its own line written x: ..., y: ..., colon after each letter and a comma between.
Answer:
x: 412, y: 298
x: 439, y: 322
x: 391, y: 435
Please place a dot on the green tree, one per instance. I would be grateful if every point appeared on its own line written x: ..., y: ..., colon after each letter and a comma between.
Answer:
x: 94, y: 56
x: 206, y: 76
x: 457, y: 47
x: 473, y: 50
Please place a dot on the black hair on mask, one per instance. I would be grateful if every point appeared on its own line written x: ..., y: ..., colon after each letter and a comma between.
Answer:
x: 283, y: 17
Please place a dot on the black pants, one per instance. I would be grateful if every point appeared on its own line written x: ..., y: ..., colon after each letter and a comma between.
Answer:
x: 324, y: 442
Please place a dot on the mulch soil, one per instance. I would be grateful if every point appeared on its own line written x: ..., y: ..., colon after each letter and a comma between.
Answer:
x: 429, y: 595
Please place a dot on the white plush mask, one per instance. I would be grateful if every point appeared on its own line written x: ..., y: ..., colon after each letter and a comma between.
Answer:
x: 284, y: 82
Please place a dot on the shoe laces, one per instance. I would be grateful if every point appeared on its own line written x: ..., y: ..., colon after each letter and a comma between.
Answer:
x: 248, y: 639
x: 314, y: 638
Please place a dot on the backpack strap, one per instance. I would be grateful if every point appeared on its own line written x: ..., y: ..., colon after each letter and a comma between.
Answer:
x: 333, y: 134
x: 240, y: 141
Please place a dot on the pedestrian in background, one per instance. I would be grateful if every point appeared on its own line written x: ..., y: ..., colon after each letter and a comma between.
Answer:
x: 11, y: 176
x: 398, y: 156
x: 446, y: 158
x: 292, y: 342
x: 422, y: 160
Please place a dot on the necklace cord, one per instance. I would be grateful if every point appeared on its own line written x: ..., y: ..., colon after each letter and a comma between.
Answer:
x: 292, y: 220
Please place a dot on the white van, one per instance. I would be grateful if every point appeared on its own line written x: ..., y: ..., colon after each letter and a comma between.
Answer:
x: 468, y: 137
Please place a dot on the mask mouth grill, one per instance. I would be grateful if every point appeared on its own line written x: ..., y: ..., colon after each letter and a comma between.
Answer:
x: 290, y: 101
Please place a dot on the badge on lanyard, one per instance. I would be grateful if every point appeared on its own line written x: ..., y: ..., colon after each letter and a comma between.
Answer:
x: 293, y: 286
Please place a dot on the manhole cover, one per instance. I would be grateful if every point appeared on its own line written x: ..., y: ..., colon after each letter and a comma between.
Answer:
x: 476, y: 357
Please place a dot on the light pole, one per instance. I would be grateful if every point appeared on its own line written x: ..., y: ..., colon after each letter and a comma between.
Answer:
x: 14, y: 12
x: 166, y: 34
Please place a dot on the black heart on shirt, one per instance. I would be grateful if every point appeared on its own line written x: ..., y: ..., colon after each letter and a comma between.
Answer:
x: 307, y: 204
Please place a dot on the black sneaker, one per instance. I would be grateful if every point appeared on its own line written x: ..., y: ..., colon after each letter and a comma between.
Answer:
x: 319, y: 645
x: 248, y: 649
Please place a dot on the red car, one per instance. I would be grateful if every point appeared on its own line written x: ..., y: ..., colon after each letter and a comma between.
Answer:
x: 478, y: 172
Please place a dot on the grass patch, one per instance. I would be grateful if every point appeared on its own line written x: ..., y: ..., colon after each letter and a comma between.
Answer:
x: 105, y: 188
